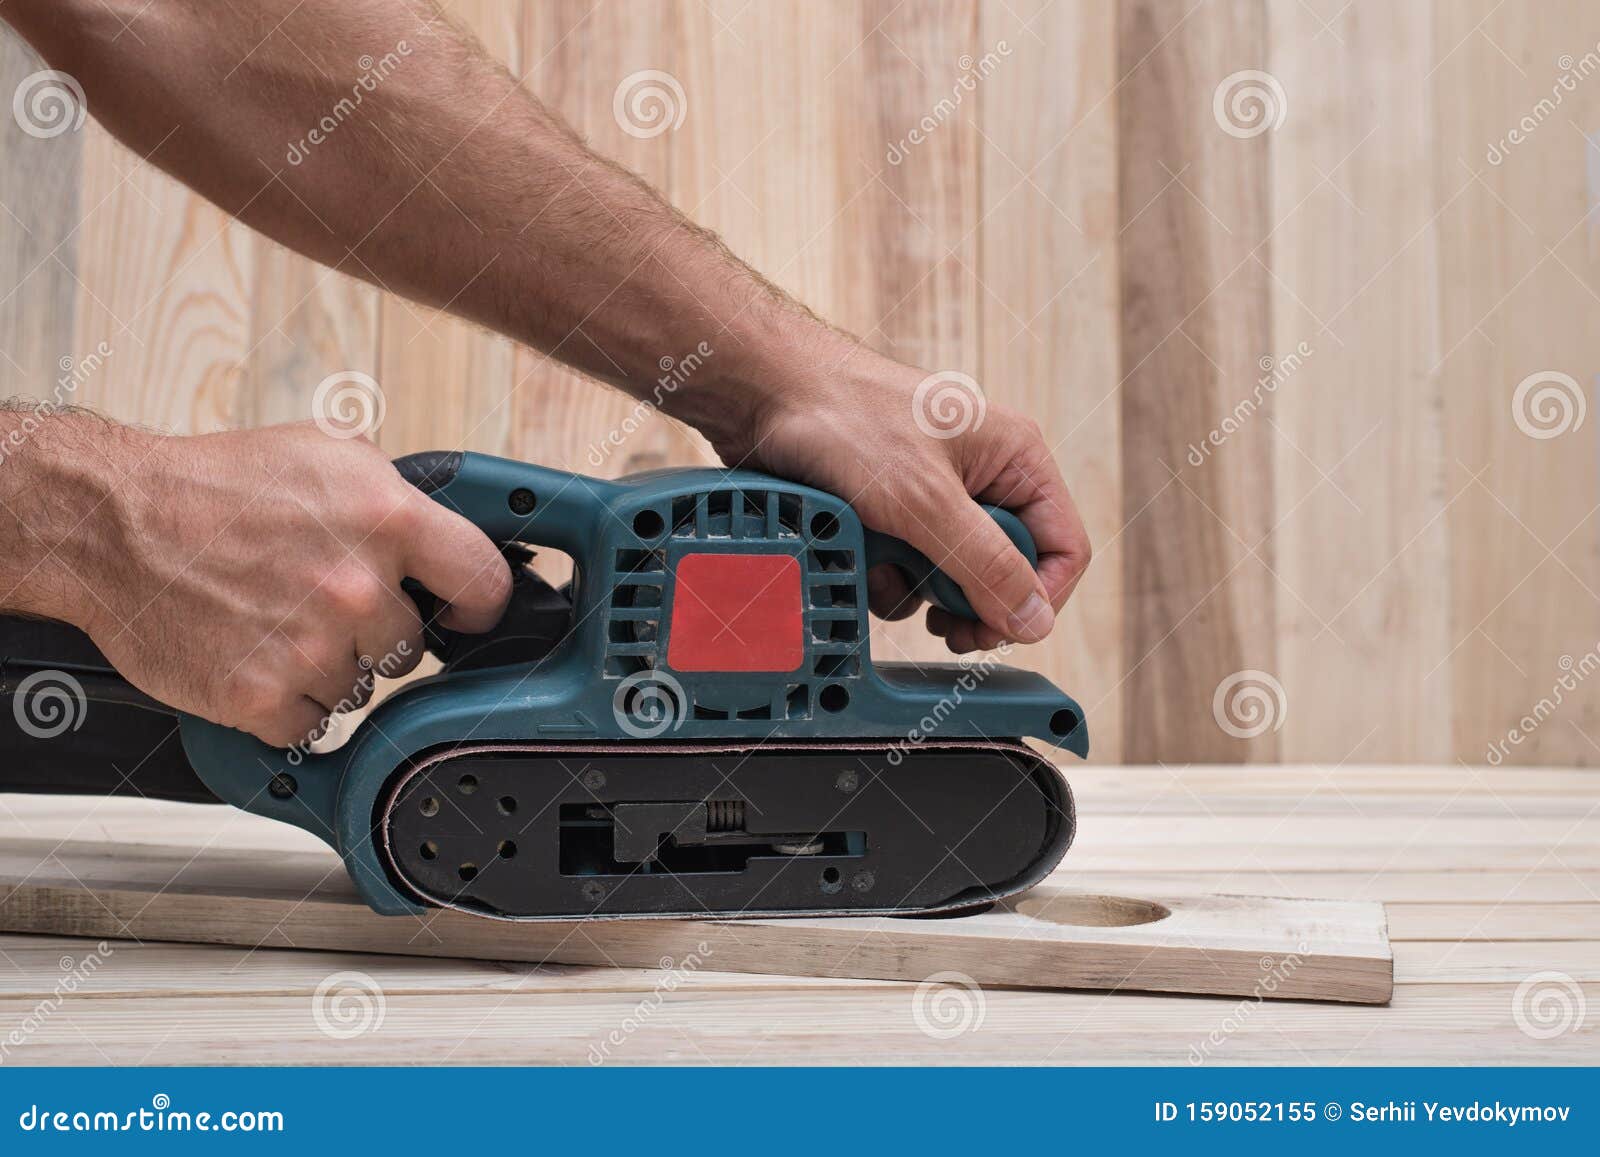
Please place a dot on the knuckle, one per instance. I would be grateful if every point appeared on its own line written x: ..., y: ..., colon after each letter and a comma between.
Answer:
x: 353, y: 592
x: 996, y: 567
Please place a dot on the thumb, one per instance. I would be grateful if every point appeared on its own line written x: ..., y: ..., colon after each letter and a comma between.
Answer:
x: 1003, y: 589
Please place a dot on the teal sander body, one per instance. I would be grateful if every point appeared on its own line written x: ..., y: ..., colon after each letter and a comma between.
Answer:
x: 694, y: 727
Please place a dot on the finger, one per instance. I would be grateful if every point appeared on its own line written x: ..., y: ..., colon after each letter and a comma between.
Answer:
x: 343, y: 687
x: 970, y: 547
x: 889, y: 594
x: 299, y: 722
x: 962, y: 635
x: 391, y: 645
x: 458, y: 563
x: 1034, y: 490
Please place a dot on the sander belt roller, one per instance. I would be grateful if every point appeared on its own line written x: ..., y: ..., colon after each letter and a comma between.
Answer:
x: 695, y: 726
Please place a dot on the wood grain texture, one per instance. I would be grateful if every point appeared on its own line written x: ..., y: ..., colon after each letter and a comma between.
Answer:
x: 1054, y: 937
x: 1465, y: 941
x: 40, y: 178
x: 1081, y: 233
x: 1197, y: 559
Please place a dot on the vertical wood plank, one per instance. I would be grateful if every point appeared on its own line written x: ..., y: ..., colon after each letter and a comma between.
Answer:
x: 446, y: 382
x: 1519, y: 292
x: 166, y: 279
x: 1360, y: 547
x: 917, y: 222
x: 577, y: 57
x: 1049, y: 299
x: 1195, y: 322
x: 38, y: 207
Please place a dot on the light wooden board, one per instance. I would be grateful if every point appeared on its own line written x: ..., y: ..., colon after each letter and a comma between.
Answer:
x: 1054, y: 937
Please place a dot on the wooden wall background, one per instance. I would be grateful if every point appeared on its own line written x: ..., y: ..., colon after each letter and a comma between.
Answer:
x: 1083, y: 236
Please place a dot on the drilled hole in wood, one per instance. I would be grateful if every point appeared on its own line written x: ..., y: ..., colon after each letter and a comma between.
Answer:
x: 1090, y: 911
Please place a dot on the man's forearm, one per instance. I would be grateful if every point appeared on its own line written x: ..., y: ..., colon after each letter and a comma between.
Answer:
x: 445, y: 183
x: 55, y: 480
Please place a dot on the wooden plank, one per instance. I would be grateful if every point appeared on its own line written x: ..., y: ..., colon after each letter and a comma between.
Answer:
x: 1361, y: 544
x: 1048, y: 298
x: 1195, y: 323
x: 447, y: 383
x: 1519, y: 284
x: 39, y: 180
x: 1051, y: 937
x: 166, y: 278
x: 34, y: 965
x: 1426, y: 1024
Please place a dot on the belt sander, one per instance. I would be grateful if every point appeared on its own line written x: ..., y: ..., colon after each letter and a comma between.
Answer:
x: 694, y: 726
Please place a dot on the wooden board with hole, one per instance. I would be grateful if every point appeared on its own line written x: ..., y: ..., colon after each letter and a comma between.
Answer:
x: 1052, y: 937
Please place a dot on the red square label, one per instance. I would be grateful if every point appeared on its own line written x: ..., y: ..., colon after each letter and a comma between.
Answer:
x: 736, y: 612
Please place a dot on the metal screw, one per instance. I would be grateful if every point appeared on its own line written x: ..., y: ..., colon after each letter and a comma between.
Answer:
x: 522, y: 501
x: 594, y: 892
x: 863, y: 881
x: 594, y: 779
x: 282, y: 786
x: 847, y: 781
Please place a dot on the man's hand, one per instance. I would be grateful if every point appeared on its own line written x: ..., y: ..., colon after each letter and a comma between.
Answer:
x: 863, y: 432
x: 252, y: 578
x: 520, y: 227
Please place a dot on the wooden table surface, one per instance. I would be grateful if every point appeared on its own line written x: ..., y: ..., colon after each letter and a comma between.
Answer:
x: 1491, y: 878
